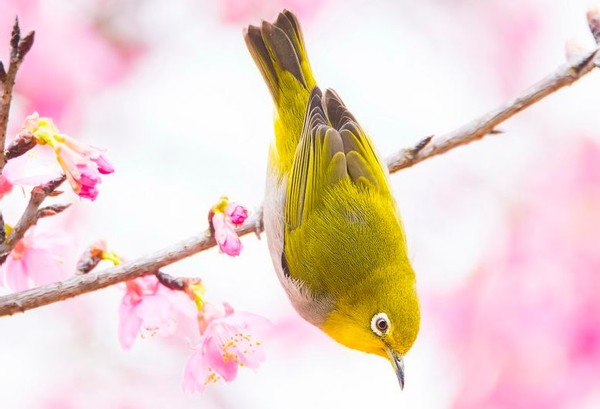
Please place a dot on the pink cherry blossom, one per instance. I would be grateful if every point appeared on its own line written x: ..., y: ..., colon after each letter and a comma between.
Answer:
x: 148, y: 307
x: 236, y: 213
x: 229, y: 340
x: 225, y: 235
x: 224, y: 216
x: 88, y: 180
x: 83, y: 164
x: 42, y: 256
x: 104, y: 166
x: 35, y: 167
x: 5, y: 186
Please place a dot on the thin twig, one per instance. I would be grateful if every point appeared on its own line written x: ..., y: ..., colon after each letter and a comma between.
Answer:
x: 81, y: 284
x: 484, y: 125
x: 19, y: 47
x: 426, y: 148
x: 31, y: 215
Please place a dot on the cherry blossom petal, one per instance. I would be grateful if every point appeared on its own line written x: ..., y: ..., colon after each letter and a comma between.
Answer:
x: 5, y: 186
x: 225, y: 235
x: 40, y: 257
x: 229, y: 340
x: 236, y: 213
x: 158, y: 310
x: 104, y: 166
x: 197, y: 373
x: 15, y: 271
x: 156, y: 314
x: 223, y: 365
x: 83, y: 164
x: 33, y: 168
x: 129, y: 325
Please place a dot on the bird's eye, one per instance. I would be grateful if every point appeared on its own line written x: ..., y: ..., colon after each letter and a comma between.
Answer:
x: 380, y: 324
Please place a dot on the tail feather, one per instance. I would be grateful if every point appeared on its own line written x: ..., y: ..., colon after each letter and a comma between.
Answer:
x: 282, y: 50
x: 278, y: 48
x: 260, y: 55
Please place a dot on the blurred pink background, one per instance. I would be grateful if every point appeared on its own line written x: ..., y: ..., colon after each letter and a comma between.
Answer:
x: 503, y: 233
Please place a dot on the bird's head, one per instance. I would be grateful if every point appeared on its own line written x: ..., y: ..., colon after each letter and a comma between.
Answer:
x: 381, y: 318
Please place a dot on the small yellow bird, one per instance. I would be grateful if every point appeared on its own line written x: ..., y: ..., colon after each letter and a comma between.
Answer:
x: 332, y: 225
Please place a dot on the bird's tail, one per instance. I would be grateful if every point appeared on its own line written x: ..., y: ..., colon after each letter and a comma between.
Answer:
x: 278, y: 50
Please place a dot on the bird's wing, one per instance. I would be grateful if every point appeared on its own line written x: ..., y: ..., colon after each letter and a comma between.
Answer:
x: 363, y: 163
x: 319, y: 161
x: 332, y: 147
x: 337, y: 200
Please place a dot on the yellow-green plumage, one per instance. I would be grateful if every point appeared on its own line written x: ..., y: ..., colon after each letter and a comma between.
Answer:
x: 278, y: 50
x: 334, y: 233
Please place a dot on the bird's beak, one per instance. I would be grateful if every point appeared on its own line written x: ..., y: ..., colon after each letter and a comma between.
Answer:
x: 398, y: 363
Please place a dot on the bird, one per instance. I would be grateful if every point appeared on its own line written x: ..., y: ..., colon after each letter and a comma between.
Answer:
x: 333, y: 228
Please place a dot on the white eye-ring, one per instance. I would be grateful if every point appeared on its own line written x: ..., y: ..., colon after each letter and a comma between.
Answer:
x: 380, y: 324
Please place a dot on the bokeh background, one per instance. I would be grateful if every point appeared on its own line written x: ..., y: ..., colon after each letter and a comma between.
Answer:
x: 504, y: 234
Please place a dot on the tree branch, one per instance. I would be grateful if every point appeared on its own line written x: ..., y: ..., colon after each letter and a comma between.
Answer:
x: 31, y: 215
x: 81, y: 284
x: 19, y: 47
x: 485, y: 124
x: 424, y: 149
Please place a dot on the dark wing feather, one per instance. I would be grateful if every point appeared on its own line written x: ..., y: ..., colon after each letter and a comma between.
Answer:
x: 363, y: 162
x: 332, y: 147
x: 319, y: 161
x: 277, y: 48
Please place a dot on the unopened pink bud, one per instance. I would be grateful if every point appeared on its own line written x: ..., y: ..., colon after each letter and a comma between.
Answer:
x: 226, y: 237
x: 104, y: 166
x: 237, y: 214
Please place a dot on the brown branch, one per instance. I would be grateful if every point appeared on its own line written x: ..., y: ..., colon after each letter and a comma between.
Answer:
x: 31, y: 214
x: 426, y: 148
x: 19, y: 47
x: 81, y: 284
x: 484, y: 125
